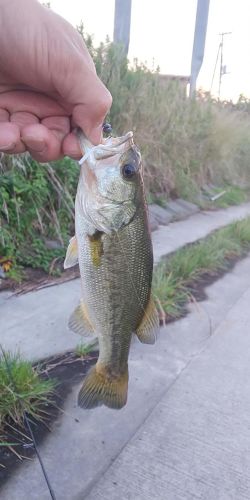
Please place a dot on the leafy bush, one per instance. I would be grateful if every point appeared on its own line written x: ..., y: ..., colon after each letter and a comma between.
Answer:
x: 36, y: 205
x: 185, y: 144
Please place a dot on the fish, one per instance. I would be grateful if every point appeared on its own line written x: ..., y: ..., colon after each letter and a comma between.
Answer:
x: 113, y: 248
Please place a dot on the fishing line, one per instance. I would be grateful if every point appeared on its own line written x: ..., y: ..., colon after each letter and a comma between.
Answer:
x: 27, y: 422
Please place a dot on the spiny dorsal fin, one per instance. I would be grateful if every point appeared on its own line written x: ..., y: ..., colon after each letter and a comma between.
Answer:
x: 79, y: 321
x: 71, y: 258
x: 100, y: 388
x: 148, y: 328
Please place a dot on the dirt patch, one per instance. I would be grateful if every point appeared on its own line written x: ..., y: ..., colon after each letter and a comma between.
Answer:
x: 67, y: 369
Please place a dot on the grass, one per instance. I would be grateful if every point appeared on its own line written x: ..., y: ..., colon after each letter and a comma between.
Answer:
x: 82, y: 349
x: 173, y: 278
x: 234, y: 196
x: 36, y: 208
x: 21, y: 391
x: 230, y: 195
x: 185, y: 144
x: 160, y: 200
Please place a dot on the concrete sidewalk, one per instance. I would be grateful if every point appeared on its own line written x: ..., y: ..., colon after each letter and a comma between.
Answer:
x: 36, y: 323
x: 169, y: 238
x: 195, y: 443
x: 185, y: 431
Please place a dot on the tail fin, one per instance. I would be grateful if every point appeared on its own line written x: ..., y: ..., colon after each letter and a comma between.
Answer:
x: 100, y: 388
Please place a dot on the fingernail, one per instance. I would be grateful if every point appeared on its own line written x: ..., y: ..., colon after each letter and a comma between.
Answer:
x: 5, y: 147
x: 35, y: 144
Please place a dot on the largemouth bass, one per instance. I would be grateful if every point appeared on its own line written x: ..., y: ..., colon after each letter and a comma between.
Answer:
x: 114, y: 250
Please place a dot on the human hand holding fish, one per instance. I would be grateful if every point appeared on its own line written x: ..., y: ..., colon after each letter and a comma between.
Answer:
x: 48, y: 84
x: 113, y: 248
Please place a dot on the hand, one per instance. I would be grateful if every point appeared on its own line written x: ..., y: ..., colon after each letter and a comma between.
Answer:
x: 48, y: 84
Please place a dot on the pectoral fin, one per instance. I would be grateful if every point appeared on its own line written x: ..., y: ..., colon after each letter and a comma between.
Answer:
x: 79, y: 321
x: 147, y: 330
x: 71, y: 258
x: 96, y: 248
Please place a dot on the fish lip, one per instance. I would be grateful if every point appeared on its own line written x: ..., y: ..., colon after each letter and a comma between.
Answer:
x: 125, y: 138
x: 99, y: 154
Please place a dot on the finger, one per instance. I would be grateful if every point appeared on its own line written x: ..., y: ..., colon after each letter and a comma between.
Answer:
x: 59, y: 125
x: 88, y: 96
x: 90, y: 115
x: 71, y: 146
x: 4, y: 115
x: 22, y: 118
x: 10, y: 138
x: 41, y: 142
x: 30, y: 102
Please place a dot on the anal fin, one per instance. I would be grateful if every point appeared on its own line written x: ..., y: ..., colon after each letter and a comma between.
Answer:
x: 149, y: 326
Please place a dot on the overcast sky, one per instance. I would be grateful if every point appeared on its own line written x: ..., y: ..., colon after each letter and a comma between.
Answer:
x: 162, y: 31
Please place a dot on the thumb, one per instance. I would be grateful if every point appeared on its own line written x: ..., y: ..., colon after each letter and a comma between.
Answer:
x: 93, y: 105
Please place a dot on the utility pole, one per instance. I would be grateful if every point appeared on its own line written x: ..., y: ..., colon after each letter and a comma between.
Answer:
x: 222, y: 67
x: 199, y: 42
x: 122, y: 23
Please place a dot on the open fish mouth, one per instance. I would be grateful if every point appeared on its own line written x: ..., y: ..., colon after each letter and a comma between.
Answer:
x: 110, y: 147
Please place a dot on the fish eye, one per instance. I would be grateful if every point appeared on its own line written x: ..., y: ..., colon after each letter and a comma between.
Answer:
x: 129, y: 170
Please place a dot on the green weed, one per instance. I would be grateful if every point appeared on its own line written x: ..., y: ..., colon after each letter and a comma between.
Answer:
x: 234, y: 195
x: 36, y: 205
x: 185, y: 144
x: 82, y: 350
x: 173, y: 278
x: 21, y: 390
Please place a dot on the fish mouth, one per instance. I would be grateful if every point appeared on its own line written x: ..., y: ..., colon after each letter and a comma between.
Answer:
x: 110, y: 147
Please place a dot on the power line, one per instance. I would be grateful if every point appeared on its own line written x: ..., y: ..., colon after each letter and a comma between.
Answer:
x: 215, y: 66
x: 220, y: 54
x: 222, y: 72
